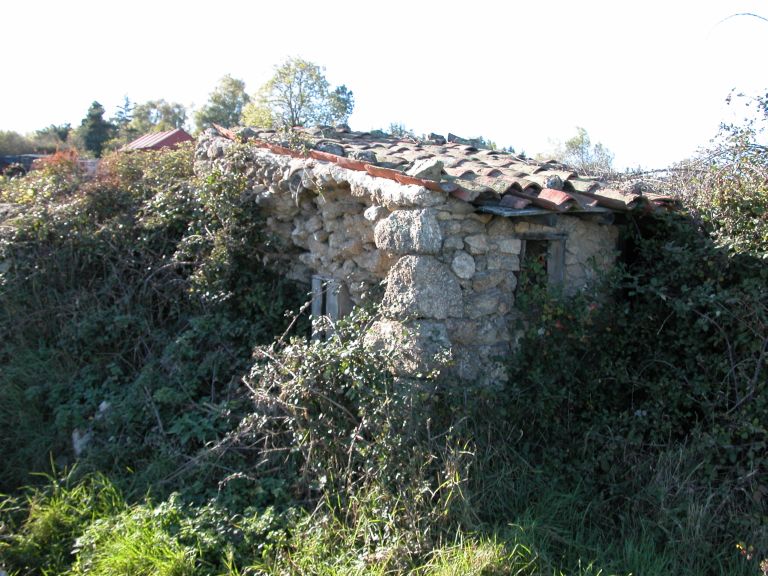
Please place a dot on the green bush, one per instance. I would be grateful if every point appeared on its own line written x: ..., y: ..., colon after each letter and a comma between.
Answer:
x: 139, y: 296
x: 332, y: 423
x: 652, y: 399
x: 85, y: 527
x: 726, y: 189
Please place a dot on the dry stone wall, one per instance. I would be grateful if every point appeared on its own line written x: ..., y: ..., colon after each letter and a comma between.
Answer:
x: 449, y: 273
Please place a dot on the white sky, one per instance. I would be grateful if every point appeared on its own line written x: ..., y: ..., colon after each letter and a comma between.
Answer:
x: 647, y: 78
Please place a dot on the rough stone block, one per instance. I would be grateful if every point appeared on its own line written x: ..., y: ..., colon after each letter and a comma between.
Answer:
x: 299, y: 236
x: 343, y: 246
x: 472, y: 227
x: 508, y: 262
x: 391, y: 194
x: 375, y: 213
x: 428, y: 169
x: 370, y: 260
x: 482, y: 218
x: 459, y: 207
x: 422, y: 287
x: 486, y: 330
x: 450, y: 227
x: 280, y: 206
x: 417, y: 347
x: 488, y: 279
x: 463, y: 265
x: 453, y: 243
x: 509, y: 245
x: 338, y: 208
x: 409, y: 232
x: 476, y: 244
x: 462, y: 331
x: 313, y: 223
x: 485, y: 303
x: 481, y: 366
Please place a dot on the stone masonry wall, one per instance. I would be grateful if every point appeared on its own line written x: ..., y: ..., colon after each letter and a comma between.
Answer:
x: 449, y: 274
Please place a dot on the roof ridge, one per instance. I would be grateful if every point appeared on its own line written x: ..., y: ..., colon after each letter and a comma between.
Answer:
x: 450, y: 167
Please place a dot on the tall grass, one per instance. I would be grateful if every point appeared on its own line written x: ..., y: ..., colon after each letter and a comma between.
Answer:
x: 134, y: 542
x: 40, y: 527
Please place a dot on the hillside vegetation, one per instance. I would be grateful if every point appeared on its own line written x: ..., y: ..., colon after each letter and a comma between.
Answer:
x: 163, y: 414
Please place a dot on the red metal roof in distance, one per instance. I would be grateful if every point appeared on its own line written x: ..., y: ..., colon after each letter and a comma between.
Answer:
x: 158, y: 140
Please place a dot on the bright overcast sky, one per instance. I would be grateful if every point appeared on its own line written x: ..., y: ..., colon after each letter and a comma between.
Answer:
x: 647, y: 78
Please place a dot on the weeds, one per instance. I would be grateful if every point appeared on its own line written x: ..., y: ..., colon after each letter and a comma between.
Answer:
x: 40, y: 528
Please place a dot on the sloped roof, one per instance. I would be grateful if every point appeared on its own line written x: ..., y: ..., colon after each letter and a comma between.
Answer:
x: 498, y: 181
x: 158, y: 140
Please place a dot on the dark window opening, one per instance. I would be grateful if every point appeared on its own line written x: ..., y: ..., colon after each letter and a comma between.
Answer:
x: 542, y: 262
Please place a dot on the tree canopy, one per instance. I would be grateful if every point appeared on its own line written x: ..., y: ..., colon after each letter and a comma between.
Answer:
x: 584, y: 156
x: 157, y: 116
x: 124, y: 114
x: 94, y: 130
x: 225, y: 104
x: 14, y: 143
x: 299, y: 95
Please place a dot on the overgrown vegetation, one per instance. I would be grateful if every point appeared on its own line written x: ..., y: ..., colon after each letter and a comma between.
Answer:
x: 138, y: 314
x: 130, y: 305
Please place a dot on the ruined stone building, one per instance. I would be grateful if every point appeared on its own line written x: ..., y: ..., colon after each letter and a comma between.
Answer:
x: 444, y: 227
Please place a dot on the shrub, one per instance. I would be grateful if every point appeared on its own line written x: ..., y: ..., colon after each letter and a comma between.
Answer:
x: 140, y: 295
x: 332, y: 422
x: 652, y: 399
x: 726, y: 188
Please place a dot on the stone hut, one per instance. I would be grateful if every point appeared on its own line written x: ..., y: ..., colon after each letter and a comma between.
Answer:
x: 446, y: 229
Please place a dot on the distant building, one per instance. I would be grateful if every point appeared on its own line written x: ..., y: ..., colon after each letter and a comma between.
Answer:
x: 158, y: 140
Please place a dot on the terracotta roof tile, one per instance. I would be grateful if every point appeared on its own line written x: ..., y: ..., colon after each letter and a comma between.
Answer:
x: 460, y: 172
x: 469, y: 173
x: 516, y: 202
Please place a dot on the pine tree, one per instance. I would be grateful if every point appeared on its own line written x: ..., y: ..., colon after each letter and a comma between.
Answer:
x: 94, y: 130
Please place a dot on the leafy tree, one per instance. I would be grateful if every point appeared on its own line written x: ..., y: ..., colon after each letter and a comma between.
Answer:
x: 584, y: 156
x: 484, y: 144
x: 45, y: 141
x: 225, y: 104
x: 94, y: 130
x: 14, y: 143
x: 399, y: 130
x: 341, y: 103
x: 299, y: 95
x: 157, y: 116
x: 52, y: 138
x: 124, y: 114
x: 122, y: 122
x: 60, y: 131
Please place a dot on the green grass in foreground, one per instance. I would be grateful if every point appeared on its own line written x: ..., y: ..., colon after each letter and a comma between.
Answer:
x: 85, y: 527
